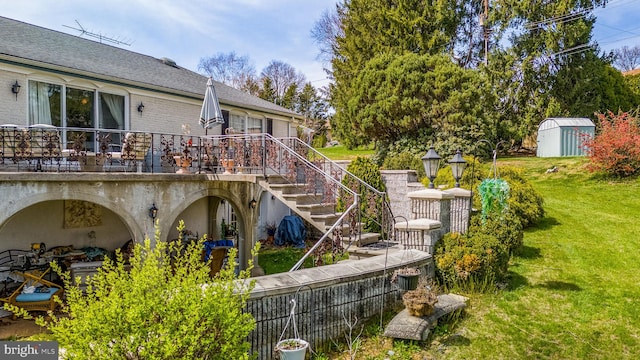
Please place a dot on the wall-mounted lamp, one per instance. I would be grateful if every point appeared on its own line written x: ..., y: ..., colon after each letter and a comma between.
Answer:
x: 141, y: 108
x: 15, y: 88
x: 253, y: 203
x: 153, y: 212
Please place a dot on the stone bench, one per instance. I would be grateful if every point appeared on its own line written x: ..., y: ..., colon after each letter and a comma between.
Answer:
x: 405, y: 326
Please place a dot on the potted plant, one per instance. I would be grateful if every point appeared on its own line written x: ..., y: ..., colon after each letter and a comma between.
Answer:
x: 420, y: 302
x: 271, y: 229
x: 292, y: 349
x: 406, y: 278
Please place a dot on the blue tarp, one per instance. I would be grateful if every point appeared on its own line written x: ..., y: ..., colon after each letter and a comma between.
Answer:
x: 291, y: 231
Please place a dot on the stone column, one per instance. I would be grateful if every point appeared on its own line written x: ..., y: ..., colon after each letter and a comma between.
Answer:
x: 460, y: 209
x: 432, y: 204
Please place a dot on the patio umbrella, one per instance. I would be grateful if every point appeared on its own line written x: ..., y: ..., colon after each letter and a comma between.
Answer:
x: 210, y: 114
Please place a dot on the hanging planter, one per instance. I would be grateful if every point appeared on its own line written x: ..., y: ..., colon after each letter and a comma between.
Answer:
x: 293, y: 348
x: 494, y: 194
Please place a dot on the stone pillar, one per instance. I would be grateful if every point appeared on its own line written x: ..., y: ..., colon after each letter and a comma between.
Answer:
x: 432, y: 204
x: 398, y: 183
x: 460, y: 209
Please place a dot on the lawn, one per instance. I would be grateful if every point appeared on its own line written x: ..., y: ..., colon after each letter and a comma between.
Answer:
x: 573, y: 290
x: 339, y: 152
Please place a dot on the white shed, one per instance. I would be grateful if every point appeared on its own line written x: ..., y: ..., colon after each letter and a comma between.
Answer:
x: 563, y: 136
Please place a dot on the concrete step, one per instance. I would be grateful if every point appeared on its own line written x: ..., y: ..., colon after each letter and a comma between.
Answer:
x: 289, y: 188
x: 327, y: 219
x: 303, y: 199
x: 317, y: 209
x: 363, y: 239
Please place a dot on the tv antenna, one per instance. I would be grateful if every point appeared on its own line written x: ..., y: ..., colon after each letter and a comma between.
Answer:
x: 100, y: 37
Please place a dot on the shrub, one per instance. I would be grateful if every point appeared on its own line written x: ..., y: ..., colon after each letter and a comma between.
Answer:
x: 404, y: 161
x: 506, y: 228
x: 163, y: 307
x: 461, y: 260
x: 616, y: 148
x: 366, y: 170
x: 524, y: 201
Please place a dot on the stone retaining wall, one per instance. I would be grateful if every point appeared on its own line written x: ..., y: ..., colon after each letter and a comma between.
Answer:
x: 324, y: 296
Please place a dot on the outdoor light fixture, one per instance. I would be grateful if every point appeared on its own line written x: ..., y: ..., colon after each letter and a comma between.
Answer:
x: 457, y: 166
x: 15, y: 88
x: 431, y: 161
x: 253, y: 203
x: 153, y: 212
x: 141, y: 108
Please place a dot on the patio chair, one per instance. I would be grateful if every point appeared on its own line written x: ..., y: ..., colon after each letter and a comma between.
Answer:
x: 46, y: 145
x: 42, y: 299
x: 216, y: 251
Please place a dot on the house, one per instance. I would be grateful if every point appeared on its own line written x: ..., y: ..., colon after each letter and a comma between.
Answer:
x: 64, y: 80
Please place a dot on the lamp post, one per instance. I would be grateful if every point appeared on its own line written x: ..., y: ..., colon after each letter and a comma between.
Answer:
x: 431, y: 162
x: 458, y: 165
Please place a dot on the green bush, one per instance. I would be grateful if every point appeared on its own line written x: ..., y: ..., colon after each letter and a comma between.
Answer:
x: 464, y: 259
x: 524, y: 201
x: 404, y: 161
x: 163, y: 307
x: 366, y: 170
x: 506, y: 228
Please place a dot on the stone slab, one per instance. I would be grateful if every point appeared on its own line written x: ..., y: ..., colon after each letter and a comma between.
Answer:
x: 405, y: 326
x: 418, y: 224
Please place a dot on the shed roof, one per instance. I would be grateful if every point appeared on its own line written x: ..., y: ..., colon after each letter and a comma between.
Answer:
x: 37, y: 47
x: 550, y: 123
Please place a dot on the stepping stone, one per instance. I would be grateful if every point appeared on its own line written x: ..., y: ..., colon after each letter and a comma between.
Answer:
x: 405, y: 326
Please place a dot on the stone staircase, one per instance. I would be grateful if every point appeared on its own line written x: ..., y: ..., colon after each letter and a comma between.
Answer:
x: 321, y: 213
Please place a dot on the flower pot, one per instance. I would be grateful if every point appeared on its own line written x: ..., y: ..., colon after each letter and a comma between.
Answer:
x: 407, y: 282
x: 183, y: 163
x: 292, y: 349
x: 227, y: 164
x: 419, y: 302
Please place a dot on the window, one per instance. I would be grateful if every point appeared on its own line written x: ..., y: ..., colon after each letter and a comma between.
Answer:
x: 44, y: 103
x: 254, y: 125
x: 80, y: 107
x: 237, y: 122
x: 244, y: 124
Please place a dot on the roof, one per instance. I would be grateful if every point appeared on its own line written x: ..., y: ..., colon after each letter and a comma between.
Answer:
x: 631, y: 72
x: 550, y: 123
x: 38, y: 47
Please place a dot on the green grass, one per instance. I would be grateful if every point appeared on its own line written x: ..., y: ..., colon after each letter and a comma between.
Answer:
x: 281, y: 259
x: 574, y: 288
x: 340, y: 152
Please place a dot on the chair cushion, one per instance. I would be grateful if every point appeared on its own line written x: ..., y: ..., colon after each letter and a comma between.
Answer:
x: 36, y: 296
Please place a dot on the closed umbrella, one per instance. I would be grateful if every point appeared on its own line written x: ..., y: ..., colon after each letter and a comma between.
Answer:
x: 210, y: 115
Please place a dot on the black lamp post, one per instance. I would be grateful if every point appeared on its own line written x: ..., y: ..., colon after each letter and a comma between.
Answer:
x: 431, y: 162
x: 458, y: 165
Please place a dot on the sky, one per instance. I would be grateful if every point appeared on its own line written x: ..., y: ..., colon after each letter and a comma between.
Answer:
x: 264, y: 30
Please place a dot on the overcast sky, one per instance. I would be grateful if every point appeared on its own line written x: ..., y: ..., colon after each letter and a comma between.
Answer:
x: 265, y: 30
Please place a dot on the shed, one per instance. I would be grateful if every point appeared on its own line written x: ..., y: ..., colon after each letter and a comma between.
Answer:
x: 563, y: 136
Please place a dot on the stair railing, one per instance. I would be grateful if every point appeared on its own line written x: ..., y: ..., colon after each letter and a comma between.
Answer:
x: 375, y: 209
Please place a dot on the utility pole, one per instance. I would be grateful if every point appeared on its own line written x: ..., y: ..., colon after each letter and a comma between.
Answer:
x: 484, y: 19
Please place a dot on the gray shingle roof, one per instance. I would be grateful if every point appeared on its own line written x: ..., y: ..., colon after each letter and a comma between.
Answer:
x: 29, y: 44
